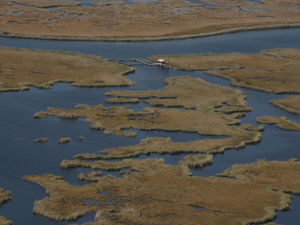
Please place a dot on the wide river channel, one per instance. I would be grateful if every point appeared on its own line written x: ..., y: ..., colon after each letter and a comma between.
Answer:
x: 19, y: 155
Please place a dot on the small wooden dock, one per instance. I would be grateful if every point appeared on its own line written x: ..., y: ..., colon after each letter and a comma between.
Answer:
x: 140, y: 61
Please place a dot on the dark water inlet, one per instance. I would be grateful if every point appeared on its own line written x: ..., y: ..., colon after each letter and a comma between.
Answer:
x: 291, y: 217
x: 26, y: 157
x: 247, y: 42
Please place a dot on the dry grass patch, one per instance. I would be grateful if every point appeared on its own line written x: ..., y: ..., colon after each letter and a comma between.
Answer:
x: 20, y: 69
x: 136, y: 165
x: 280, y: 121
x: 208, y: 110
x: 166, y: 146
x: 195, y: 161
x: 271, y: 224
x: 4, y: 197
x: 163, y: 191
x: 275, y: 70
x: 191, y: 93
x: 114, y: 120
x: 64, y: 140
x: 92, y: 176
x: 163, y: 19
x: 4, y: 221
x: 290, y: 103
x: 122, y: 100
x: 204, y: 103
x: 42, y: 140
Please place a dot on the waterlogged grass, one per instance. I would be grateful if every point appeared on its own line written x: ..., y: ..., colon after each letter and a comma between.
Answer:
x: 195, y: 161
x: 163, y: 191
x: 167, y: 146
x: 207, y: 109
x: 122, y: 100
x: 92, y: 176
x: 64, y: 140
x: 204, y: 103
x: 290, y: 103
x: 134, y: 165
x: 42, y: 140
x: 280, y: 121
x: 4, y: 221
x: 275, y: 70
x: 21, y: 69
x: 4, y: 197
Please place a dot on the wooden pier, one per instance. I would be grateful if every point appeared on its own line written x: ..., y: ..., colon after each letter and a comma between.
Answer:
x: 140, y: 61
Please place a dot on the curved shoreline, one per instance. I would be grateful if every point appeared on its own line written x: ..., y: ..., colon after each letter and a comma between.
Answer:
x: 158, y: 38
x: 238, y: 68
x: 70, y: 68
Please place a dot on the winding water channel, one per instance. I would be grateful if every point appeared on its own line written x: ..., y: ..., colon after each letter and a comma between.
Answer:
x: 20, y: 155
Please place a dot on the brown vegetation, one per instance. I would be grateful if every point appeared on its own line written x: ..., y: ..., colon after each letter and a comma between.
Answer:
x: 113, y: 120
x: 191, y: 93
x: 80, y: 138
x: 204, y: 103
x: 195, y: 161
x: 122, y: 100
x: 290, y: 103
x: 280, y: 121
x: 20, y: 69
x: 163, y: 194
x: 4, y: 221
x: 4, y: 197
x: 64, y: 140
x: 165, y: 146
x: 275, y: 70
x: 209, y: 110
x: 134, y: 165
x: 90, y: 176
x: 271, y: 224
x: 42, y: 140
x: 163, y: 19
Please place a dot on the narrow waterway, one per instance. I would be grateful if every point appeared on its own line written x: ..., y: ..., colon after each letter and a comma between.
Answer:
x: 20, y: 155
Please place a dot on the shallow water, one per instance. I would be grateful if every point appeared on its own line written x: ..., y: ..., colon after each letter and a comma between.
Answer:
x: 26, y: 157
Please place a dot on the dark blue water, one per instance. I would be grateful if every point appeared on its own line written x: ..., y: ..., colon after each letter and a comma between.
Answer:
x: 252, y: 41
x: 291, y: 217
x: 26, y: 157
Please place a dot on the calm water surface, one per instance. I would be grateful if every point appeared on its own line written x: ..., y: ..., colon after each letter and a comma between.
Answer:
x: 23, y: 156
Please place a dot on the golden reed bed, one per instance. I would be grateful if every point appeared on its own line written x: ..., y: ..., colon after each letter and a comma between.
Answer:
x: 4, y: 197
x: 20, y: 69
x: 162, y: 194
x: 163, y: 19
x: 274, y: 70
x: 290, y: 103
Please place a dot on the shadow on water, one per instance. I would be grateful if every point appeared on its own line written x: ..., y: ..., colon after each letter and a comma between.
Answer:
x: 26, y: 157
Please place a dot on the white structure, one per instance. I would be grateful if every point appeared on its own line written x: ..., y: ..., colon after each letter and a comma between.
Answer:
x: 162, y: 62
